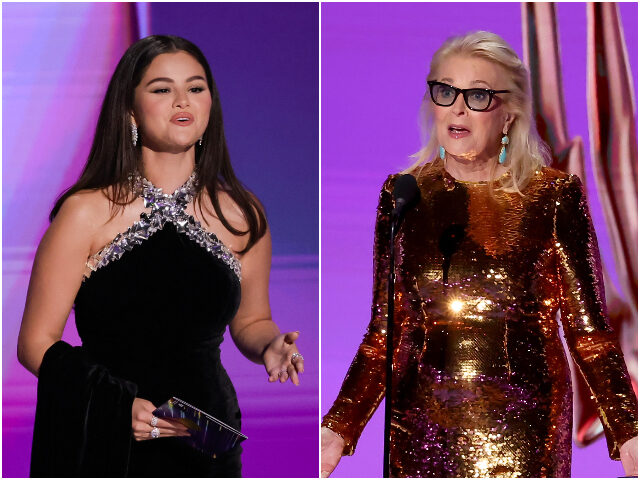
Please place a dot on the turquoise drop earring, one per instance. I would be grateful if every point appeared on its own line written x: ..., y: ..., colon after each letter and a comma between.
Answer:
x: 503, y: 151
x: 441, y: 152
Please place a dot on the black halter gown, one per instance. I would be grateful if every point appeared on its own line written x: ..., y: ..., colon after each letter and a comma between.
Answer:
x: 153, y: 311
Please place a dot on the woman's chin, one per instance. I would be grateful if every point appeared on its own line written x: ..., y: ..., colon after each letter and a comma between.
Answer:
x: 458, y: 147
x: 178, y: 146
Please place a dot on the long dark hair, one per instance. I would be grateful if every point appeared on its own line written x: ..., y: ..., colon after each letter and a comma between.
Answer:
x: 113, y: 157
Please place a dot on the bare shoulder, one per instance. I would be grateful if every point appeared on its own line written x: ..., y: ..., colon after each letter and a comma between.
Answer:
x: 233, y: 215
x: 86, y: 209
x: 80, y: 218
x: 231, y: 210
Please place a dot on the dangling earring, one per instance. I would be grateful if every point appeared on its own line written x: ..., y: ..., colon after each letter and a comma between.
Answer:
x: 441, y: 152
x: 134, y: 134
x: 503, y: 152
x: 200, y: 141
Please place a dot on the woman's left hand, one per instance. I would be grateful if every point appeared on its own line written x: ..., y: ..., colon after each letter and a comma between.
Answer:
x: 278, y: 361
x: 629, y: 456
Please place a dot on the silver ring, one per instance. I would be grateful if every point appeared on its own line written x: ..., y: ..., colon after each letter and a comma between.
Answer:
x: 296, y: 355
x: 154, y: 421
x: 155, y: 433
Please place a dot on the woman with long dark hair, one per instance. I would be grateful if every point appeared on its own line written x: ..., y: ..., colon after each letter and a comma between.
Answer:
x: 154, y: 278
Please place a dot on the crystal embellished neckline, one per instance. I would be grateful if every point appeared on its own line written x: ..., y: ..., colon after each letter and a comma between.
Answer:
x: 153, y: 195
x: 165, y: 208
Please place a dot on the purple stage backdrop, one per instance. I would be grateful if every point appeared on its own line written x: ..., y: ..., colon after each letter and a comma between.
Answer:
x: 375, y: 60
x: 57, y: 61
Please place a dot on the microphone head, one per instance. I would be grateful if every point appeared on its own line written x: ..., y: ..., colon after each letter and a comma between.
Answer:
x: 405, y: 193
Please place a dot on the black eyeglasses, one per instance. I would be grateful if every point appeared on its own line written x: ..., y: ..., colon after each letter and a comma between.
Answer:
x: 477, y: 99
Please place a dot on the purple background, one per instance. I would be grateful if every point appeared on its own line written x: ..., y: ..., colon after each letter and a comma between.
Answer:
x: 375, y: 59
x: 57, y: 61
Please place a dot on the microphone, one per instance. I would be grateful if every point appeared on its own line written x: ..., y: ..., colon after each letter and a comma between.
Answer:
x: 406, y: 194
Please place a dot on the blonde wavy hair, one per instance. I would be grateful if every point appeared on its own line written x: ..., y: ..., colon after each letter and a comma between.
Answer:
x: 526, y: 152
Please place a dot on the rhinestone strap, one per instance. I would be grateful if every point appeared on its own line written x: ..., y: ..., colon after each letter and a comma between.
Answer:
x: 164, y: 208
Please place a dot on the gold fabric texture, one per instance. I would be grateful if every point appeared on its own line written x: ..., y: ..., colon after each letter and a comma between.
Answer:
x: 482, y: 387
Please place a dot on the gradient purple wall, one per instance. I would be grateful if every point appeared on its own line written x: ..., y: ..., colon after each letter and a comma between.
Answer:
x: 375, y: 60
x: 57, y: 61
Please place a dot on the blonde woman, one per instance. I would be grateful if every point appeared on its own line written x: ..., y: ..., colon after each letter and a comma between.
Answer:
x: 497, y: 245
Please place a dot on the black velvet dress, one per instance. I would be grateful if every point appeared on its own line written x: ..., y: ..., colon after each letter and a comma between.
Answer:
x: 153, y: 311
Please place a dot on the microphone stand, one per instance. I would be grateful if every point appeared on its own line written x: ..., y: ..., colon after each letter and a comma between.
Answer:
x: 406, y: 193
x: 388, y: 387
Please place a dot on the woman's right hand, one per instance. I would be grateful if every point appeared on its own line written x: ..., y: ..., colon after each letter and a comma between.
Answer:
x: 141, y: 416
x: 331, y: 449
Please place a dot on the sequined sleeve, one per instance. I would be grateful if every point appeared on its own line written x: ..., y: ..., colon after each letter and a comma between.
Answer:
x: 590, y: 339
x: 363, y: 386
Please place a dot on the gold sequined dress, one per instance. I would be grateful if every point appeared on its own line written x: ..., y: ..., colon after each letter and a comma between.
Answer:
x: 482, y: 386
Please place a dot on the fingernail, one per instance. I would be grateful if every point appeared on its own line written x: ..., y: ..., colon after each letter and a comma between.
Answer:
x: 324, y: 474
